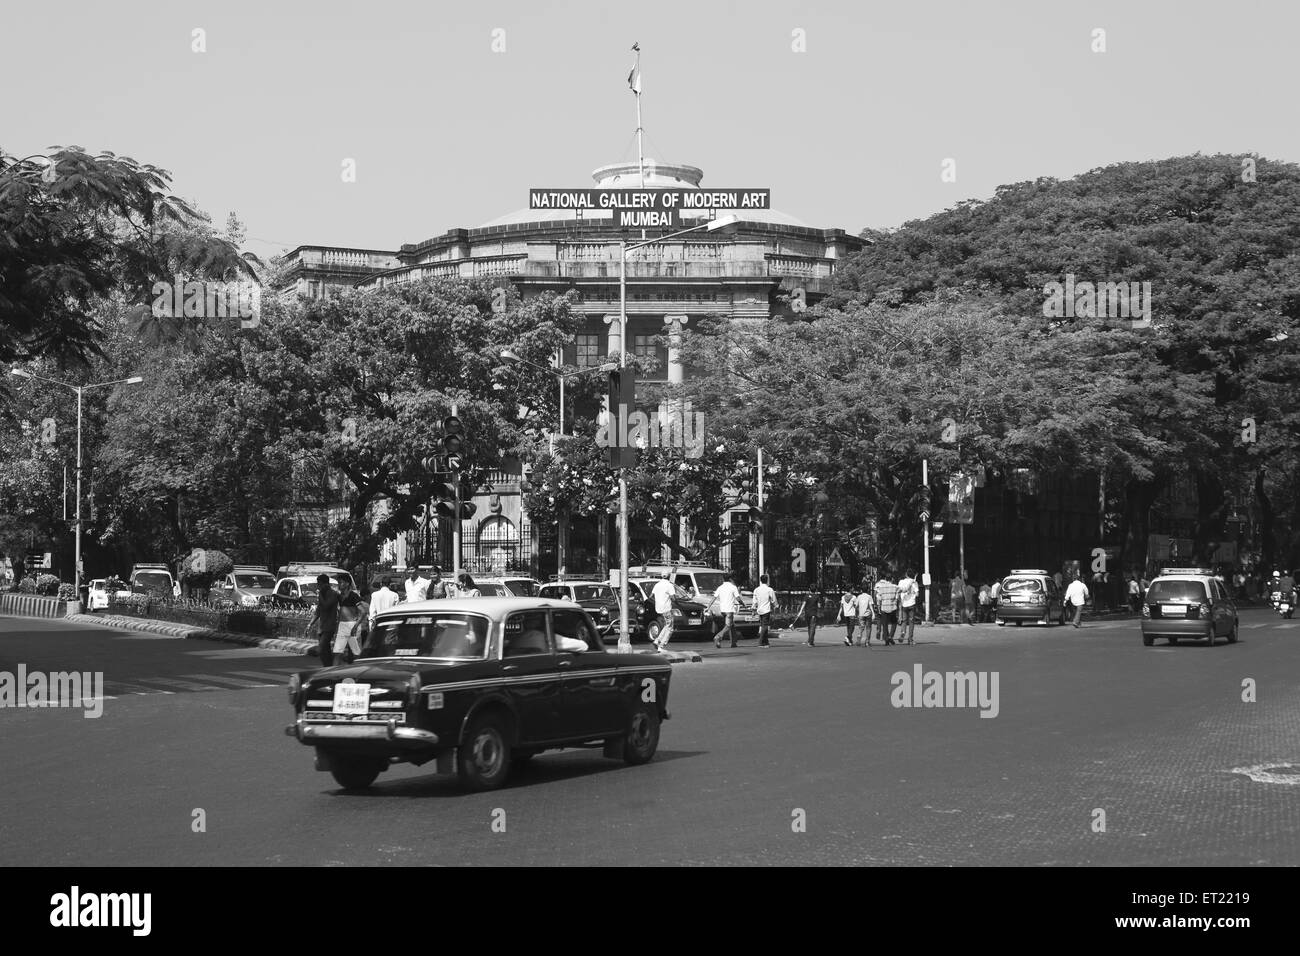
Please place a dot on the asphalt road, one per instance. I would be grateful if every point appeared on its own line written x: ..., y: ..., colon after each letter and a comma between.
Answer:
x: 1087, y: 720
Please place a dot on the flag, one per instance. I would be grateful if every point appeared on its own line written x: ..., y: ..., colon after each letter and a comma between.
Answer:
x: 634, y: 75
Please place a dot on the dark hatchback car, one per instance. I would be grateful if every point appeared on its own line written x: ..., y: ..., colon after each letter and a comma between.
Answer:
x: 1188, y: 604
x: 477, y: 685
x: 596, y: 598
x: 690, y: 619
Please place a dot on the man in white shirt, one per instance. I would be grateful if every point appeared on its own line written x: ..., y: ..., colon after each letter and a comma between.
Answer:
x: 1077, y: 596
x: 764, y: 604
x: 866, y: 616
x: 416, y: 585
x: 663, y: 593
x: 728, y: 599
x: 908, y: 591
x: 382, y: 598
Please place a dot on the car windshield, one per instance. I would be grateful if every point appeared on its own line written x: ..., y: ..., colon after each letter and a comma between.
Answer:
x: 153, y: 579
x: 312, y: 589
x: 254, y: 579
x: 1176, y: 591
x: 708, y: 580
x: 493, y: 590
x: 448, y: 636
x: 592, y: 592
x: 1022, y: 586
x: 521, y: 587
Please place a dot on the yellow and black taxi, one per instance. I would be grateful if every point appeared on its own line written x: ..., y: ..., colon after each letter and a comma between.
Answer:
x: 1030, y: 594
x: 1191, y: 604
x: 478, y: 685
x: 596, y: 597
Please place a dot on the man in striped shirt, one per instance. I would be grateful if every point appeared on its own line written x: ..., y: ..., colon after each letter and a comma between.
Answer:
x: 887, y: 606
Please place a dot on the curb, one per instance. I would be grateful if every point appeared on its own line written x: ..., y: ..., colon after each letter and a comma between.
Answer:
x: 189, y: 632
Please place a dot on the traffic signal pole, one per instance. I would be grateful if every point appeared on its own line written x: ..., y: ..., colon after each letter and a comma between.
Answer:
x: 925, y: 532
x: 624, y: 635
x: 760, y: 514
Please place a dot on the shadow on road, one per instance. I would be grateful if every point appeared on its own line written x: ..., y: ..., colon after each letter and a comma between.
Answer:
x: 543, y: 769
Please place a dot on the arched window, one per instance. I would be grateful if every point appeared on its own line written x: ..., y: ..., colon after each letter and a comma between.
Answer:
x: 498, y: 540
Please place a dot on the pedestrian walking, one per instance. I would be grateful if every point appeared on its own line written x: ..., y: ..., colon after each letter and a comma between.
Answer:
x: 957, y: 591
x: 1134, y: 593
x: 325, y: 619
x: 866, y: 616
x: 908, y: 593
x: 382, y: 597
x: 352, y: 614
x: 728, y: 599
x: 765, y: 604
x: 663, y: 593
x: 887, y: 607
x: 985, y: 603
x: 416, y: 585
x: 810, y: 610
x: 465, y: 586
x: 438, y: 588
x: 1076, y: 596
x: 848, y: 613
x: 968, y: 601
x: 995, y: 592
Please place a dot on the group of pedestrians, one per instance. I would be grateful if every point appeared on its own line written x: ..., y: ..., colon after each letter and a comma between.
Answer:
x: 885, y: 610
x: 343, y: 618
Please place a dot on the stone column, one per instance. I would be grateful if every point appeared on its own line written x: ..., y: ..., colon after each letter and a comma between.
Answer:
x: 675, y: 325
x: 614, y: 339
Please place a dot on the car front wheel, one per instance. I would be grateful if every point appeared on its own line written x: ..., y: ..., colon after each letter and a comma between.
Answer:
x: 642, y: 738
x: 652, y: 631
x: 483, y: 760
x: 1232, y: 635
x: 1147, y: 640
x: 355, y: 773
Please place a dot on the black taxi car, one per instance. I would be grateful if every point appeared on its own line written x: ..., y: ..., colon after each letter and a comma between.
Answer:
x: 478, y: 684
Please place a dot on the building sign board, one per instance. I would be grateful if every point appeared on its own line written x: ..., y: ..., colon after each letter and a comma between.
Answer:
x: 650, y: 208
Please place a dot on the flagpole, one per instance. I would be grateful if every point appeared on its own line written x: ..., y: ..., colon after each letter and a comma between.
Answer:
x: 640, y: 151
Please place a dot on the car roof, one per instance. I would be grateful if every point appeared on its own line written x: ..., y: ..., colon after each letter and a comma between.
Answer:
x: 489, y: 606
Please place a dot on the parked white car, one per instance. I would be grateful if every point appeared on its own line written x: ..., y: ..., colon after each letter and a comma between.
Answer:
x: 97, y: 595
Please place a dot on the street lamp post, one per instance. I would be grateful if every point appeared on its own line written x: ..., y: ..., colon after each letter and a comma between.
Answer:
x: 713, y: 225
x: 134, y: 380
x: 562, y: 374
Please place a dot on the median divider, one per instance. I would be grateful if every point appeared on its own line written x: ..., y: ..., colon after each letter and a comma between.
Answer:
x: 289, y: 645
x: 32, y: 605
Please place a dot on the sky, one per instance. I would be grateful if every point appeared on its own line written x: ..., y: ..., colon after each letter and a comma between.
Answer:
x: 846, y: 110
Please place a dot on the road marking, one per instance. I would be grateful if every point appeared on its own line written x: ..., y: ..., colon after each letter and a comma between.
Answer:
x: 276, y: 677
x: 137, y: 689
x: 172, y: 682
x: 1263, y: 773
x: 236, y: 682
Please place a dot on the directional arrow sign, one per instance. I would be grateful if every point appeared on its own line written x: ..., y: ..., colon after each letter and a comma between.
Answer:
x: 835, y: 561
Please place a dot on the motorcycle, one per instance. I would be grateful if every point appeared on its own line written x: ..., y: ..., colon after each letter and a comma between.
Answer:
x: 1283, y: 604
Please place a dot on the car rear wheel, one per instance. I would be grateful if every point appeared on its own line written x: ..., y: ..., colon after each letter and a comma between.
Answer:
x: 483, y: 759
x: 355, y: 773
x: 652, y: 631
x: 1018, y: 623
x: 642, y: 737
x: 1147, y: 640
x: 1232, y: 635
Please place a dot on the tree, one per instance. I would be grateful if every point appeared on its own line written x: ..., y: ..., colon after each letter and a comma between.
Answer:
x: 1217, y: 247
x: 75, y: 228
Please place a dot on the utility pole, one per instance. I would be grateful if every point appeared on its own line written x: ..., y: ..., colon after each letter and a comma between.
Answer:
x: 761, y: 548
x: 925, y: 532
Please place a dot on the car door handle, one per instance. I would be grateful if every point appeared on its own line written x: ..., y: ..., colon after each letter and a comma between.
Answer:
x: 564, y: 664
x: 510, y: 667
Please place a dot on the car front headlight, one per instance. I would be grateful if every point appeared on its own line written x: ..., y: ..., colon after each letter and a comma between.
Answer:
x: 677, y: 612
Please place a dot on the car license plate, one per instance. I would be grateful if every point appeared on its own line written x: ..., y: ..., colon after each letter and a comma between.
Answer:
x: 1172, y: 609
x: 749, y: 618
x: 695, y: 620
x: 351, y: 698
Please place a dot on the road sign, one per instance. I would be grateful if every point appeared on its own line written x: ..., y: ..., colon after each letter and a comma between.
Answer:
x: 835, y: 561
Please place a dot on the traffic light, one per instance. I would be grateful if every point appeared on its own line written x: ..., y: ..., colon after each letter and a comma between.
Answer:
x: 452, y: 437
x: 924, y: 501
x: 451, y: 499
x: 746, y: 482
x: 622, y: 402
x: 936, y: 532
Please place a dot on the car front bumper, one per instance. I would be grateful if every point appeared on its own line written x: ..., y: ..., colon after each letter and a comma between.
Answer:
x: 388, y: 732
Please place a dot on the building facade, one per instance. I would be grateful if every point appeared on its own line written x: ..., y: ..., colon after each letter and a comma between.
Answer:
x: 754, y: 273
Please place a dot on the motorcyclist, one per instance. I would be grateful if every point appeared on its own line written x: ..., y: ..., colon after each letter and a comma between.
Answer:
x: 1286, y: 584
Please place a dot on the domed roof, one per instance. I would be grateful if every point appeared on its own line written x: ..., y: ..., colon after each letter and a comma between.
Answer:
x: 628, y: 176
